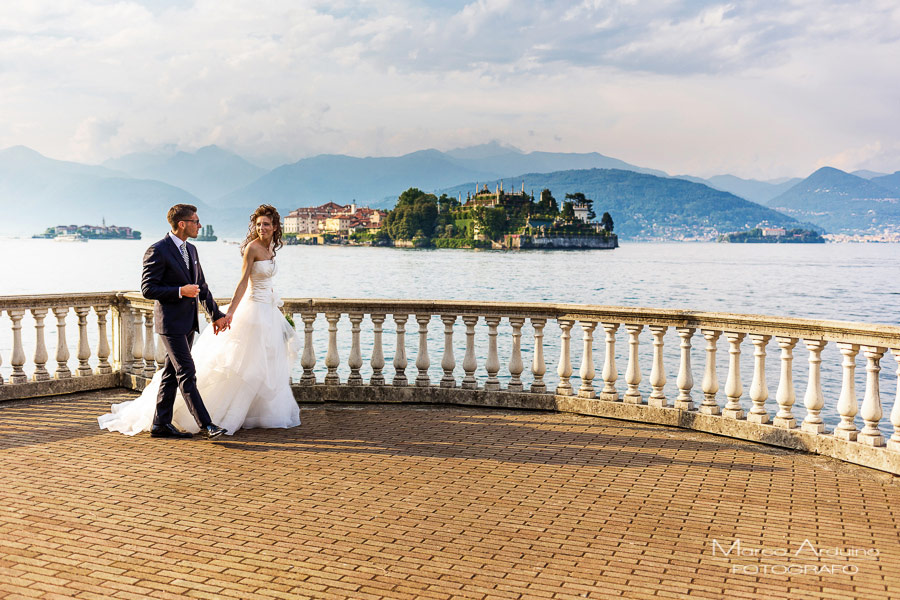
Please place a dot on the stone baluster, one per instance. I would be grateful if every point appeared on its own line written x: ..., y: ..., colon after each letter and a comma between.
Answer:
x: 587, y: 370
x: 355, y: 360
x: 137, y: 341
x: 149, y: 345
x: 564, y: 370
x: 759, y: 389
x: 308, y: 358
x: 62, y: 346
x: 84, y: 350
x: 685, y: 379
x: 377, y: 361
x: 813, y: 399
x: 103, y: 366
x: 710, y: 384
x: 40, y: 346
x: 422, y: 359
x: 492, y: 364
x: 785, y: 395
x: 894, y: 442
x: 332, y: 359
x: 516, y: 366
x: 469, y: 363
x: 538, y: 365
x: 609, y: 373
x: 871, y: 407
x: 657, y: 372
x: 847, y: 405
x: 18, y: 353
x: 160, y: 353
x: 400, y: 361
x: 448, y: 362
x: 734, y: 388
x: 633, y: 370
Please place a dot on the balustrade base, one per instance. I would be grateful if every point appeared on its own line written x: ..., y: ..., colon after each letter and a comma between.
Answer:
x: 587, y: 394
x: 53, y: 387
x: 706, y: 409
x: 812, y: 427
x: 845, y: 434
x: 733, y: 413
x: 633, y: 399
x: 761, y: 418
x: 610, y: 396
x: 658, y: 402
x: 874, y: 440
x: 684, y: 404
x: 784, y: 423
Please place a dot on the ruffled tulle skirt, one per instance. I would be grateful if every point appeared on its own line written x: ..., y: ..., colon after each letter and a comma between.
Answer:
x: 243, y: 376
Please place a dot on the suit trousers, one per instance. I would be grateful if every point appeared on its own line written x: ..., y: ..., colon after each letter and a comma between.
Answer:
x: 179, y: 373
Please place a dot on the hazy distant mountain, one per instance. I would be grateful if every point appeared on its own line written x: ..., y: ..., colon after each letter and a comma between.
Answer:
x: 343, y: 179
x: 749, y: 189
x: 644, y: 205
x: 377, y: 181
x: 841, y: 202
x: 209, y: 173
x: 889, y: 182
x: 866, y: 174
x: 504, y: 161
x: 37, y: 192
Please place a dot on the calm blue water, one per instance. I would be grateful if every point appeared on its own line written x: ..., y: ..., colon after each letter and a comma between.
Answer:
x: 853, y: 282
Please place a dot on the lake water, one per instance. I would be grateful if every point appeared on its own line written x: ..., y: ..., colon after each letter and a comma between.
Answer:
x: 853, y: 282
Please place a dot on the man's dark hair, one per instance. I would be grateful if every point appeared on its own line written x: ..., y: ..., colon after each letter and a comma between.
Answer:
x: 180, y: 212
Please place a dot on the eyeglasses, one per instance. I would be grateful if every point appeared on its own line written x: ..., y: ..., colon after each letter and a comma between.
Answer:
x: 197, y: 221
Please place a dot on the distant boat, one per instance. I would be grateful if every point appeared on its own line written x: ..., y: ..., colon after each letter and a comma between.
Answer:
x: 71, y: 237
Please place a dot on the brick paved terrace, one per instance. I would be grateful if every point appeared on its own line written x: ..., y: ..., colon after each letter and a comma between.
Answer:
x: 406, y: 501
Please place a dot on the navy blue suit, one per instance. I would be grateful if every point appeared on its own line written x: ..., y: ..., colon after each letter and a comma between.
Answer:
x: 176, y: 321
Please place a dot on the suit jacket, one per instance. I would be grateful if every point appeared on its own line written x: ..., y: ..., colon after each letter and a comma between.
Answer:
x: 163, y: 274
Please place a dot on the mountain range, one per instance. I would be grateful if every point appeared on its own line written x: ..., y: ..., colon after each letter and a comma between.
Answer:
x: 136, y: 189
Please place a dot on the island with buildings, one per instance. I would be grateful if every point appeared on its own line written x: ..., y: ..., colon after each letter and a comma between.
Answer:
x: 773, y: 235
x: 77, y: 233
x: 498, y: 219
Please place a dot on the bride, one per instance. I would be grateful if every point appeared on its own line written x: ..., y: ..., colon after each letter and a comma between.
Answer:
x: 243, y: 373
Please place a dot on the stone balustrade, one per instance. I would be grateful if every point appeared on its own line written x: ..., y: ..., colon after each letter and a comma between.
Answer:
x: 738, y: 406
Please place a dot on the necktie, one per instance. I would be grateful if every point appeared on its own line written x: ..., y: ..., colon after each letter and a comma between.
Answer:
x: 184, y: 255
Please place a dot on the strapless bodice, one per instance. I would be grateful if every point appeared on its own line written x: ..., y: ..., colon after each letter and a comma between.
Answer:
x: 261, y: 274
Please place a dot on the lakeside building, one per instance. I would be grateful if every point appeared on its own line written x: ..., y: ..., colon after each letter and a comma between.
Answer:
x: 92, y: 232
x: 332, y: 218
x: 499, y: 197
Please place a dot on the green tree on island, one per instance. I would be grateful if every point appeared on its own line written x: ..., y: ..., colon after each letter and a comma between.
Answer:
x: 547, y: 204
x: 606, y: 222
x: 491, y: 222
x: 415, y: 213
x: 568, y: 211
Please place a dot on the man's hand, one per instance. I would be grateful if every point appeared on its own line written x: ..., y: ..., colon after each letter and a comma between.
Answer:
x: 220, y: 325
x: 190, y: 291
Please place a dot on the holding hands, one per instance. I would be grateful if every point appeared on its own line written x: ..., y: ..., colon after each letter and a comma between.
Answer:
x: 220, y: 325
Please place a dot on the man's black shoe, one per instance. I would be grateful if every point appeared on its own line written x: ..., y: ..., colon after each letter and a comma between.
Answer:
x: 168, y: 431
x: 213, y: 431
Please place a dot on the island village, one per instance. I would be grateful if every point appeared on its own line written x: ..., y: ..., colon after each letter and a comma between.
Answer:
x: 499, y: 219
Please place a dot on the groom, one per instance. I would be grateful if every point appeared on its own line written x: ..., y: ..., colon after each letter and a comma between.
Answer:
x: 172, y: 276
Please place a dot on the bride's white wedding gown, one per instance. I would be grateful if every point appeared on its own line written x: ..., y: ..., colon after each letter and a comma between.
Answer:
x: 243, y: 374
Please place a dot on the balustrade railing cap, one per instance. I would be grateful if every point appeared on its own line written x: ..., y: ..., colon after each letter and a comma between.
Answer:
x: 51, y: 300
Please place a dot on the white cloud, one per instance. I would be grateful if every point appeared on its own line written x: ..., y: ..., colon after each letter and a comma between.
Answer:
x: 755, y: 88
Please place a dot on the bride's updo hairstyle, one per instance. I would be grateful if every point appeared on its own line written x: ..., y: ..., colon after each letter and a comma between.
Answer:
x: 264, y: 210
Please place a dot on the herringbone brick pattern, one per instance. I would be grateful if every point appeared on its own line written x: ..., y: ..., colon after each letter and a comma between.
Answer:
x: 431, y: 502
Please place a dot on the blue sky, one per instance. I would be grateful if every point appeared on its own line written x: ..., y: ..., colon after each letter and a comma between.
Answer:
x: 757, y: 89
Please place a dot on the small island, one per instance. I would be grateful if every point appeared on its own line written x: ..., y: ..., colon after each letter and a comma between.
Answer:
x: 773, y: 235
x: 89, y: 232
x: 207, y: 235
x: 493, y: 220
